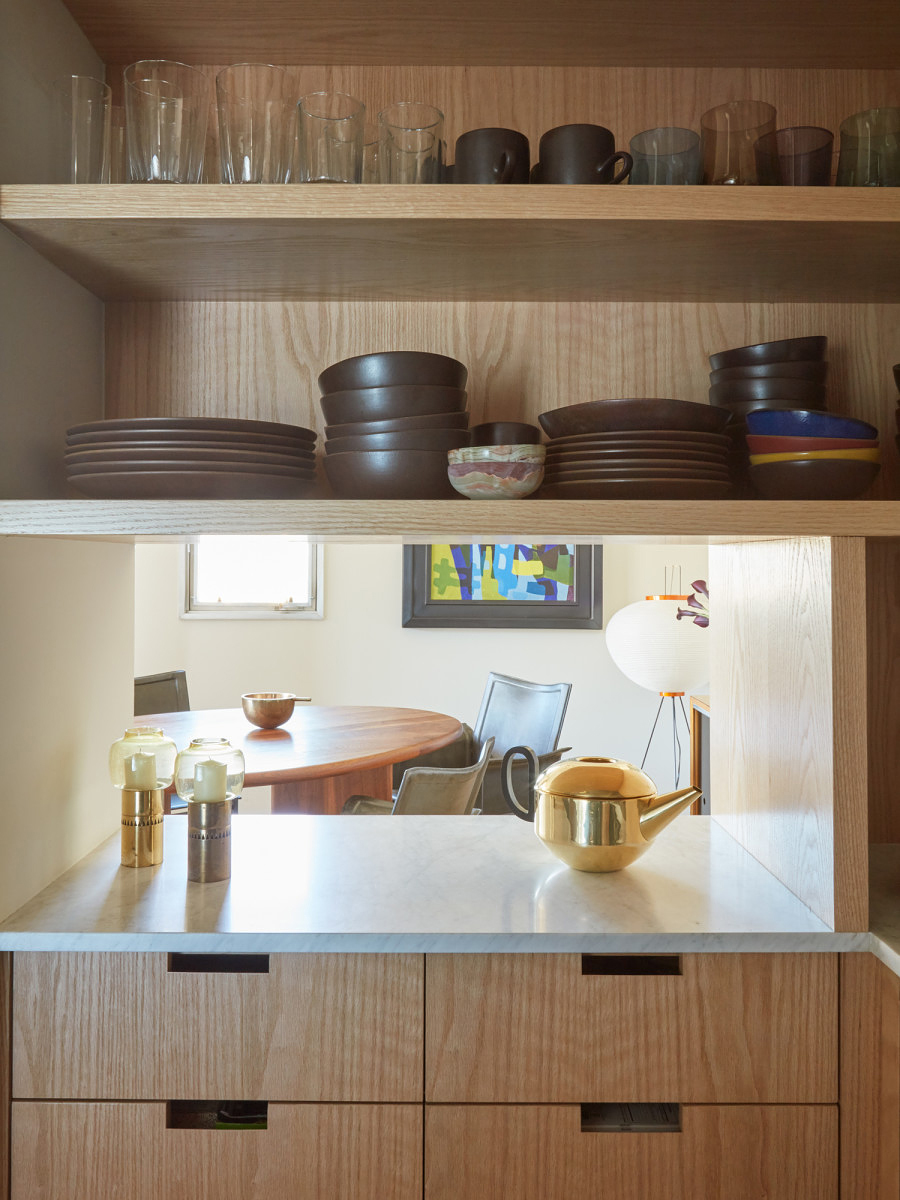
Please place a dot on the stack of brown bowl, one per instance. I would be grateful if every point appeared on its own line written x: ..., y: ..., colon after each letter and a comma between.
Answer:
x: 640, y: 449
x: 191, y: 458
x: 390, y: 419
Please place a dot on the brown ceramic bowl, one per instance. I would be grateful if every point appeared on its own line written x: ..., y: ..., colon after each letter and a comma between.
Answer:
x: 762, y: 444
x: 268, y: 710
x: 393, y: 367
x: 415, y: 439
x: 439, y: 420
x: 742, y: 390
x: 813, y: 479
x: 812, y: 370
x: 788, y: 350
x: 601, y: 416
x: 390, y: 475
x: 388, y: 403
x: 505, y: 433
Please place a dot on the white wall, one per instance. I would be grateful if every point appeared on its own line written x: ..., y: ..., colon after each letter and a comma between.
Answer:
x: 66, y: 613
x: 360, y: 654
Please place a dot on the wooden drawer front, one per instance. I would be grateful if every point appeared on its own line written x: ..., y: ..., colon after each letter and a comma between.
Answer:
x: 747, y: 1028
x: 108, y: 1151
x: 732, y: 1152
x: 123, y: 1026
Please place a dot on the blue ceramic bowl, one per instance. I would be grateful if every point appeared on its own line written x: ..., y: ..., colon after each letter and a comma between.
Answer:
x: 804, y: 422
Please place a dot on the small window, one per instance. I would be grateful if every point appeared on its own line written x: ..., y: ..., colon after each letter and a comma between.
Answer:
x: 253, y: 577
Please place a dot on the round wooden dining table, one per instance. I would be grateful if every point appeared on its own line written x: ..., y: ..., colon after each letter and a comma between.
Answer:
x: 323, y: 754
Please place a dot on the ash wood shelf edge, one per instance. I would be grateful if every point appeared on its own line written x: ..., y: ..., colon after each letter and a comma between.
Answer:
x: 410, y: 521
x: 481, y: 243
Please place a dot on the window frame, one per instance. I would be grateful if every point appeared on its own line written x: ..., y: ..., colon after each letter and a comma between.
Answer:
x: 314, y: 611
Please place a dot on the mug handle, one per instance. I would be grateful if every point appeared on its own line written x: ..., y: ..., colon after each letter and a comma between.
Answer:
x: 526, y: 812
x: 623, y: 157
x: 508, y: 163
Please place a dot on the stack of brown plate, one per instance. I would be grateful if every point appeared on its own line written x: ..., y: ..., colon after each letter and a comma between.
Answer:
x: 640, y: 449
x: 390, y: 419
x: 191, y: 458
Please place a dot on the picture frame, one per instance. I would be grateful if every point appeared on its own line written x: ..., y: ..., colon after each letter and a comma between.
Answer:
x: 581, y: 609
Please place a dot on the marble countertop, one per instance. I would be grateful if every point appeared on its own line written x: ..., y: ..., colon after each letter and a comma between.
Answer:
x: 417, y: 884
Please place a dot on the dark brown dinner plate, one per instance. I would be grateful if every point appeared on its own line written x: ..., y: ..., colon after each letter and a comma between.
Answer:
x: 235, y: 424
x: 646, y: 473
x: 193, y: 485
x: 645, y: 453
x: 226, y: 438
x: 677, y: 437
x: 188, y: 465
x: 598, y: 416
x: 176, y: 454
x: 637, y: 489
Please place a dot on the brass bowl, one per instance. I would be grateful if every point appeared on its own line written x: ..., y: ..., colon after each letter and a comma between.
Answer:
x: 268, y: 710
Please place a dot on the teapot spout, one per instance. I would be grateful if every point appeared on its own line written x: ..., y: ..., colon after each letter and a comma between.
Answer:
x: 664, y: 809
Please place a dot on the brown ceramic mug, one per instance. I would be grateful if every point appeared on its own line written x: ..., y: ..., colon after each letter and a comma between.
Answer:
x: 491, y: 156
x: 580, y: 154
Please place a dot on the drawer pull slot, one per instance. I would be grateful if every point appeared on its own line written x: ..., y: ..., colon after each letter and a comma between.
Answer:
x: 631, y: 1118
x: 631, y: 964
x: 220, y: 964
x: 217, y: 1114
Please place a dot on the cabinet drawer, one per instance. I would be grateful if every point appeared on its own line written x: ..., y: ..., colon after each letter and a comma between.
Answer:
x: 537, y: 1152
x: 730, y: 1028
x: 157, y: 1027
x: 109, y: 1151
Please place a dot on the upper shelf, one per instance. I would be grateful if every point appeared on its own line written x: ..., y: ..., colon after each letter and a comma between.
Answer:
x: 411, y: 521
x: 805, y: 33
x: 220, y: 242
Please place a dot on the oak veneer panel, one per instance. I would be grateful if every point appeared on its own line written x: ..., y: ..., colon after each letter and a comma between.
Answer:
x: 733, y: 1028
x: 494, y: 31
x: 262, y: 361
x: 6, y: 962
x: 870, y: 1079
x: 730, y: 1152
x: 308, y: 1152
x: 120, y: 1026
x: 883, y: 635
x: 790, y: 716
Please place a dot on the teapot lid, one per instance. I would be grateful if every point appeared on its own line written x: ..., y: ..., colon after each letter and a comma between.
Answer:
x: 592, y: 778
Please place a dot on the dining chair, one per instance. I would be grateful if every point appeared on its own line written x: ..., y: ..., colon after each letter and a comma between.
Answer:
x: 430, y: 791
x: 165, y: 692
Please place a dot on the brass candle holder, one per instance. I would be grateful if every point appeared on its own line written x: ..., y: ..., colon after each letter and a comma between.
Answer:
x: 209, y: 840
x: 142, y: 827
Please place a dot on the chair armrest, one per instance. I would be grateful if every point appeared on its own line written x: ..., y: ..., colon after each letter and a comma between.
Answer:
x: 367, y: 806
x: 459, y: 753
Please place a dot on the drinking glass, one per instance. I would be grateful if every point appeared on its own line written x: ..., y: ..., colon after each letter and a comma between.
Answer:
x: 166, y: 109
x: 118, y: 147
x: 800, y: 154
x: 82, y: 105
x: 410, y: 149
x: 256, y: 128
x: 870, y: 149
x: 728, y: 136
x: 332, y: 125
x: 370, y: 153
x: 665, y: 155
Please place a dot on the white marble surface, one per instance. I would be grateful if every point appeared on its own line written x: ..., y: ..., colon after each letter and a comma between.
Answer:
x: 420, y: 884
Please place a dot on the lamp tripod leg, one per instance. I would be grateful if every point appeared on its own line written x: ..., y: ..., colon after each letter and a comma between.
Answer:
x: 653, y: 730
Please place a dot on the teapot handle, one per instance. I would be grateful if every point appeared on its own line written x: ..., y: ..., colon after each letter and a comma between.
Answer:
x: 509, y: 795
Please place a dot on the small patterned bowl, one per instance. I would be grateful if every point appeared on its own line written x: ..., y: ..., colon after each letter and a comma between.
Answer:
x: 496, y: 472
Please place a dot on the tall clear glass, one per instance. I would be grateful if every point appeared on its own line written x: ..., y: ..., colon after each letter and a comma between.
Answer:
x: 118, y: 146
x: 410, y: 148
x: 82, y: 130
x: 870, y: 149
x: 332, y: 127
x: 728, y: 135
x: 167, y: 112
x: 668, y: 155
x: 256, y: 128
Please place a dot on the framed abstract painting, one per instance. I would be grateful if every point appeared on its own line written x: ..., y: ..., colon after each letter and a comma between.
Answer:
x: 495, y: 586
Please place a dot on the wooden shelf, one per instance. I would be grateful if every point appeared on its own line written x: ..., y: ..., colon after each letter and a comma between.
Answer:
x: 400, y: 521
x: 217, y: 242
x: 494, y: 32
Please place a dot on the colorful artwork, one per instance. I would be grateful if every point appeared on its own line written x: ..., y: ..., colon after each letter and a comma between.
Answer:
x: 522, y: 573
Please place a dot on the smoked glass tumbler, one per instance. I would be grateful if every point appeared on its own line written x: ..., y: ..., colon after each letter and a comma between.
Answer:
x: 666, y: 155
x: 167, y: 111
x: 82, y: 106
x: 800, y: 154
x: 410, y: 143
x: 870, y: 149
x: 332, y: 126
x: 728, y: 135
x: 256, y: 123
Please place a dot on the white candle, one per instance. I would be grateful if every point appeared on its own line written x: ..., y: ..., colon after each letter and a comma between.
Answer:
x: 210, y: 780
x: 140, y: 772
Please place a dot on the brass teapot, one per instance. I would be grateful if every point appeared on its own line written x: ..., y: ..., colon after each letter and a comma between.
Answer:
x: 596, y: 814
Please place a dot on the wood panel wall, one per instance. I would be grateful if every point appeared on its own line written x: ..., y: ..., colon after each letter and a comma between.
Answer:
x: 882, y: 599
x: 788, y: 762
x: 6, y: 962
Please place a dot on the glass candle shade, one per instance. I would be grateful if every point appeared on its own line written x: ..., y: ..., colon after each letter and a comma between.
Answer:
x: 256, y: 123
x: 728, y: 135
x: 331, y: 131
x: 198, y: 769
x: 410, y: 143
x: 167, y: 110
x: 142, y: 759
x: 870, y: 149
x: 83, y: 108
